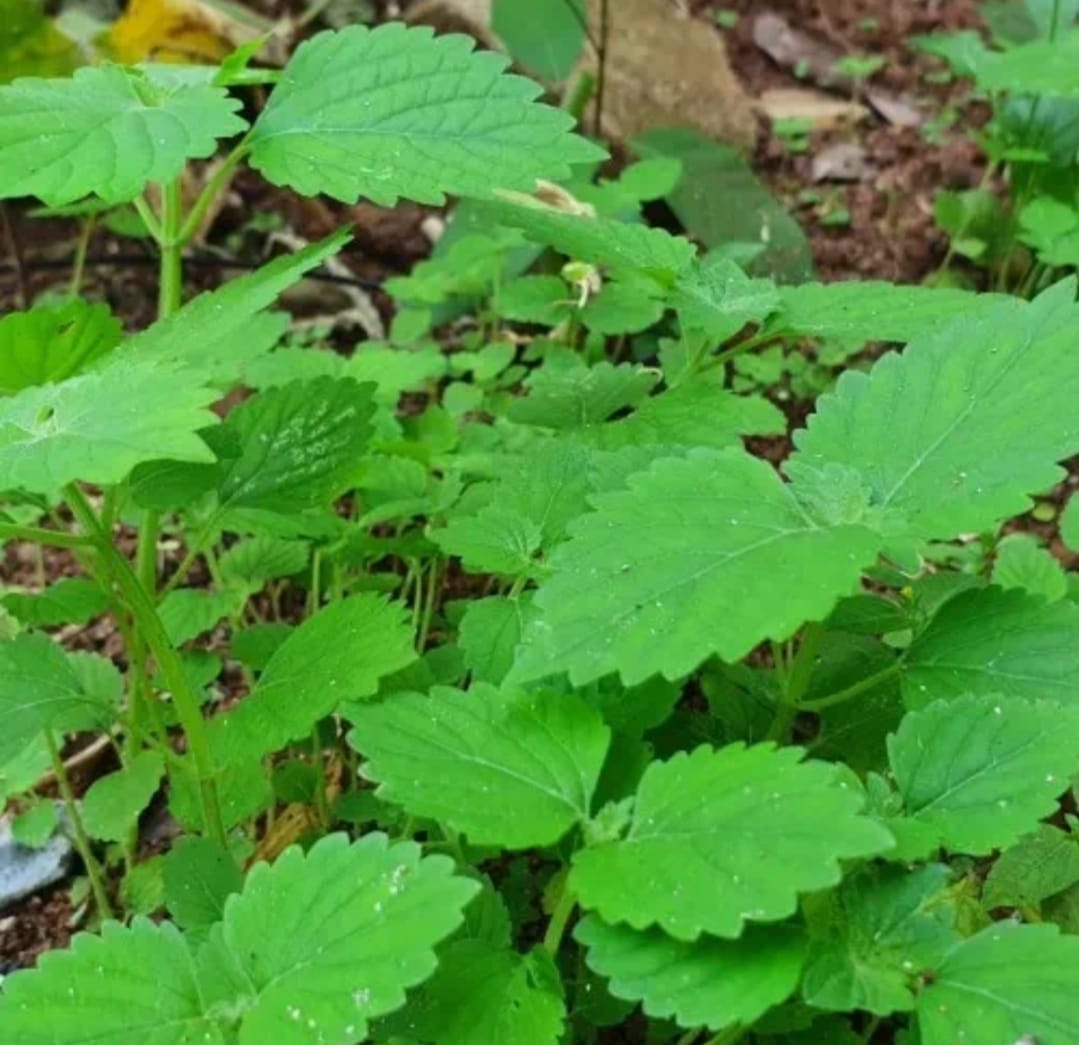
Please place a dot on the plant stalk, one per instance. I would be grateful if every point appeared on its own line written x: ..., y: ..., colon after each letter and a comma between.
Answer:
x: 149, y: 626
x: 556, y: 927
x: 797, y: 682
x: 170, y: 289
x: 82, y: 248
x: 41, y: 535
x: 843, y: 695
x: 82, y: 841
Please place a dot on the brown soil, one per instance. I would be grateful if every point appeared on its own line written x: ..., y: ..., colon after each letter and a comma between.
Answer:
x: 891, y: 234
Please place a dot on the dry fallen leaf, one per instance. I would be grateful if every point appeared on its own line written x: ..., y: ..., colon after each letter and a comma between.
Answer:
x: 822, y: 111
x: 175, y: 31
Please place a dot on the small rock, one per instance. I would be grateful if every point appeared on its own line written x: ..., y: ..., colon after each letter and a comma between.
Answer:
x: 844, y: 161
x: 822, y: 111
x: 24, y: 871
x: 667, y: 69
x: 663, y: 67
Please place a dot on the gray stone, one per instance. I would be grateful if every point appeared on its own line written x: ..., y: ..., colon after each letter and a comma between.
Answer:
x: 24, y: 871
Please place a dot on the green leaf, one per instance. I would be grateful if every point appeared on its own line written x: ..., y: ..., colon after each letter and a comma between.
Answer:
x: 187, y: 613
x: 46, y: 345
x: 338, y: 654
x: 1040, y: 67
x: 1069, y: 524
x: 39, y: 688
x: 717, y: 298
x: 624, y: 305
x: 723, y: 837
x: 708, y: 982
x: 295, y: 446
x: 393, y: 112
x: 646, y: 582
x: 489, y: 633
x: 875, y: 310
x: 545, y: 41
x: 289, y: 448
x: 33, y: 827
x: 107, y: 131
x: 30, y: 43
x: 1021, y: 562
x: 394, y: 371
x: 1052, y: 229
x: 1010, y: 983
x: 570, y: 397
x: 502, y: 524
x: 20, y: 772
x: 321, y: 942
x: 495, y: 540
x: 317, y: 944
x: 942, y: 435
x: 142, y: 890
x: 1039, y: 865
x: 243, y: 787
x: 987, y: 641
x: 71, y: 600
x: 534, y: 299
x: 693, y: 414
x: 217, y: 332
x: 617, y: 245
x: 720, y: 201
x: 855, y: 731
x: 887, y: 925
x: 97, y: 426
x: 199, y: 877
x: 112, y: 805
x: 486, y: 995
x: 254, y: 646
x: 71, y: 996
x: 252, y: 562
x: 505, y: 768
x: 975, y: 774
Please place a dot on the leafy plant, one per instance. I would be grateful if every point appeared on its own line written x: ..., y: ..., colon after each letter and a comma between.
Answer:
x: 496, y: 717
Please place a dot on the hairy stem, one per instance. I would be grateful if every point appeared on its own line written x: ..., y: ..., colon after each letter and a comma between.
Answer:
x: 82, y: 842
x: 149, y: 626
x: 210, y: 192
x: 41, y: 535
x: 170, y: 289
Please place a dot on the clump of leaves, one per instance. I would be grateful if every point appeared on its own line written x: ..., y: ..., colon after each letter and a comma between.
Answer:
x: 579, y: 706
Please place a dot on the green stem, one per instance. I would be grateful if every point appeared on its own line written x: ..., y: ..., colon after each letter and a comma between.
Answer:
x: 428, y: 606
x: 40, y: 535
x: 170, y: 289
x: 82, y: 842
x: 797, y: 682
x: 82, y: 248
x: 843, y: 695
x: 194, y: 550
x: 210, y: 192
x: 149, y: 219
x: 146, y: 560
x: 141, y: 605
x: 556, y: 927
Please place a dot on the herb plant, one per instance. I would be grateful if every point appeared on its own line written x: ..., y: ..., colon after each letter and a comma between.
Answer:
x: 588, y: 708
